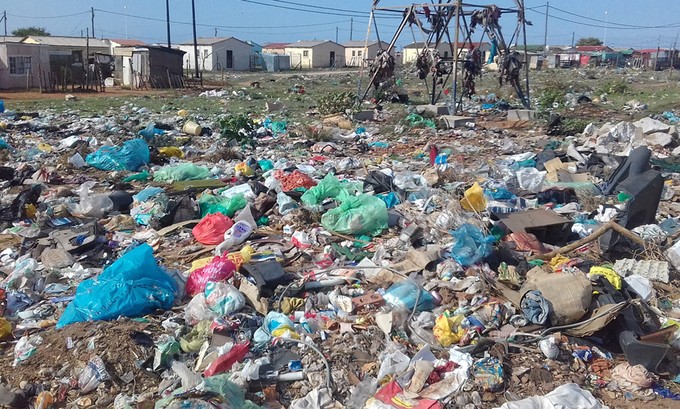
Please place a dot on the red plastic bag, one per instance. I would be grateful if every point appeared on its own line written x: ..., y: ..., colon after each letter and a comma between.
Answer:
x: 219, y: 269
x: 210, y: 230
x: 226, y: 361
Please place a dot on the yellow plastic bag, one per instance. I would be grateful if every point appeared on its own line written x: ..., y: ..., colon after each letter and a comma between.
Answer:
x: 183, y: 113
x: 557, y: 261
x: 171, y: 151
x: 444, y: 329
x: 244, y: 169
x: 611, y: 275
x: 238, y: 258
x: 474, y: 199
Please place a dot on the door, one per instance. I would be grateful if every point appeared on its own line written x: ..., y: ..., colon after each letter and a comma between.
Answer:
x: 230, y: 59
x: 332, y: 62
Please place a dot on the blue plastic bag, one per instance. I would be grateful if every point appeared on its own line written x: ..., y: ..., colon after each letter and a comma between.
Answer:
x: 405, y: 294
x: 131, y: 156
x: 471, y: 245
x: 133, y: 285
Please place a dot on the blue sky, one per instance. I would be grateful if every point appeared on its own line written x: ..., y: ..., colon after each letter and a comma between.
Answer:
x: 264, y: 23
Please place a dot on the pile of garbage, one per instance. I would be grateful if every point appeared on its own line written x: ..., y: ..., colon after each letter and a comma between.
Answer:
x: 234, y: 262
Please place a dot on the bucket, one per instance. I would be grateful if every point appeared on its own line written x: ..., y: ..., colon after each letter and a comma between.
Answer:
x: 192, y: 128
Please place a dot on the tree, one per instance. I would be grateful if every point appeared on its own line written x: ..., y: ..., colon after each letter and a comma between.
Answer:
x: 589, y: 41
x: 30, y: 31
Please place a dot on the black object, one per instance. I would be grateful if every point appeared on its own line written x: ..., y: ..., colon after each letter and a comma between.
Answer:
x: 635, y: 164
x: 558, y: 196
x: 268, y: 274
x: 379, y: 181
x: 179, y: 209
x: 17, y: 209
x: 121, y: 201
x: 6, y: 173
x: 645, y: 190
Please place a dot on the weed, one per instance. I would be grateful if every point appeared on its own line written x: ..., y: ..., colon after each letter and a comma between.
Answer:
x: 336, y: 102
x: 615, y: 86
x: 572, y: 126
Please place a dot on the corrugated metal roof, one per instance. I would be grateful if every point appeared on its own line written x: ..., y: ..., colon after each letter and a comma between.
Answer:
x: 212, y: 40
x: 11, y: 39
x: 127, y: 42
x: 68, y: 41
x: 275, y: 46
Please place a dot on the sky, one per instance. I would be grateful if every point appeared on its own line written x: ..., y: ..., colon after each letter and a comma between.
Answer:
x: 629, y: 23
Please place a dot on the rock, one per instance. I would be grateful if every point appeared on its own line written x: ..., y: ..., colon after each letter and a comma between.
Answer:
x: 589, y: 130
x: 649, y: 126
x: 70, y: 97
x: 676, y: 151
x: 659, y: 138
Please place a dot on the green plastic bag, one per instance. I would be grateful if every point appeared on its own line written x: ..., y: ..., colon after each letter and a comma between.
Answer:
x: 361, y: 214
x: 185, y: 171
x: 217, y: 204
x: 331, y: 187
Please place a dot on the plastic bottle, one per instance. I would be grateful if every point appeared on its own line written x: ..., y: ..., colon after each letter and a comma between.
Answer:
x: 44, y: 400
x: 237, y: 234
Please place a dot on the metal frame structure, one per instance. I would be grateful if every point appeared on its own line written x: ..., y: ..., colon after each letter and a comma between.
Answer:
x: 467, y: 17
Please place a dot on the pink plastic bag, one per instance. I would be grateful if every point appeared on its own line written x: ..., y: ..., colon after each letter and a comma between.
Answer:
x: 210, y: 230
x: 219, y: 269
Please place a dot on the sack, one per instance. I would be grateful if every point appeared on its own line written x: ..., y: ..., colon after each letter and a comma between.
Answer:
x: 217, y: 204
x: 471, y: 245
x: 185, y: 171
x: 361, y: 214
x: 210, y: 230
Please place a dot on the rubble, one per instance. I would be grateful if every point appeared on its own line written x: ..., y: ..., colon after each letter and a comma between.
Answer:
x: 175, y: 258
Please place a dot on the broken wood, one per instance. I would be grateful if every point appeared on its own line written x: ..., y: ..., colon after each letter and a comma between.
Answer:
x: 612, y: 225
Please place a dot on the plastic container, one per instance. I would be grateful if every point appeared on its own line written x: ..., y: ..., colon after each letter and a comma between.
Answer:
x: 192, y: 128
x: 237, y: 234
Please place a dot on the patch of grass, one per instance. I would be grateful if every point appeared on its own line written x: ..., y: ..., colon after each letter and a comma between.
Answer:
x: 572, y: 126
x: 614, y: 86
x: 336, y: 102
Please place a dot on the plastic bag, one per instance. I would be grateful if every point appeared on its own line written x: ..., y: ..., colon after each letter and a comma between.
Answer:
x: 197, y: 310
x: 133, y: 285
x: 328, y: 187
x: 184, y: 171
x: 92, y: 375
x: 405, y: 294
x: 471, y: 245
x: 226, y: 205
x: 210, y: 230
x: 275, y: 325
x: 474, y: 199
x: 392, y: 361
x: 25, y: 348
x: 361, y: 214
x: 5, y: 328
x: 221, y: 268
x: 530, y: 179
x: 223, y: 299
x: 131, y: 156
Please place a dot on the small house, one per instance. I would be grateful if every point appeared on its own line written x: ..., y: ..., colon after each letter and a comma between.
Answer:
x: 358, y: 53
x: 121, y: 49
x: 316, y: 54
x: 155, y: 67
x: 18, y: 63
x: 274, y: 48
x: 219, y: 53
x: 445, y: 50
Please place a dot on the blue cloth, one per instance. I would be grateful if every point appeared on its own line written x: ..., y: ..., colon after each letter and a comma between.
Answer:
x: 535, y: 307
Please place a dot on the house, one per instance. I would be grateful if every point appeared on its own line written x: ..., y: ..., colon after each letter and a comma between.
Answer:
x: 316, y: 54
x: 357, y: 53
x: 155, y: 67
x: 255, y: 55
x: 19, y: 63
x: 121, y: 49
x: 62, y: 45
x: 274, y: 48
x: 218, y: 53
x: 413, y: 50
x: 593, y: 49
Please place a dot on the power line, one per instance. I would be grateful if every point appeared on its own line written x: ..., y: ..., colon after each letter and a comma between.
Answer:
x: 50, y: 17
x: 599, y: 26
x: 328, y: 13
x: 609, y: 23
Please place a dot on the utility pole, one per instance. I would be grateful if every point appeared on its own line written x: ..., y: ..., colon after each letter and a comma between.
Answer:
x: 167, y: 20
x: 86, y: 60
x: 606, y: 22
x: 545, y: 31
x: 92, y: 11
x: 573, y: 33
x: 126, y: 23
x: 675, y: 43
x: 4, y: 18
x: 658, y: 50
x: 215, y: 31
x: 351, y: 28
x: 193, y: 21
x: 336, y: 34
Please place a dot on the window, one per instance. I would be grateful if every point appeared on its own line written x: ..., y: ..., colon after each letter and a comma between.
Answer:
x: 354, y: 53
x: 19, y: 65
x: 305, y: 53
x: 205, y: 53
x: 359, y: 53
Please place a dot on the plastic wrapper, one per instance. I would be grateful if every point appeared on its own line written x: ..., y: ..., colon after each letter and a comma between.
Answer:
x: 92, y: 375
x: 473, y: 199
x: 131, y: 156
x: 133, y: 285
x: 5, y: 328
x: 211, y: 229
x: 197, y: 310
x: 361, y: 214
x: 530, y: 179
x: 219, y: 269
x: 488, y: 373
x: 223, y: 299
x: 226, y: 205
x: 25, y: 348
x: 184, y: 171
x: 275, y: 325
x: 406, y: 294
x: 471, y: 245
x: 392, y: 361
